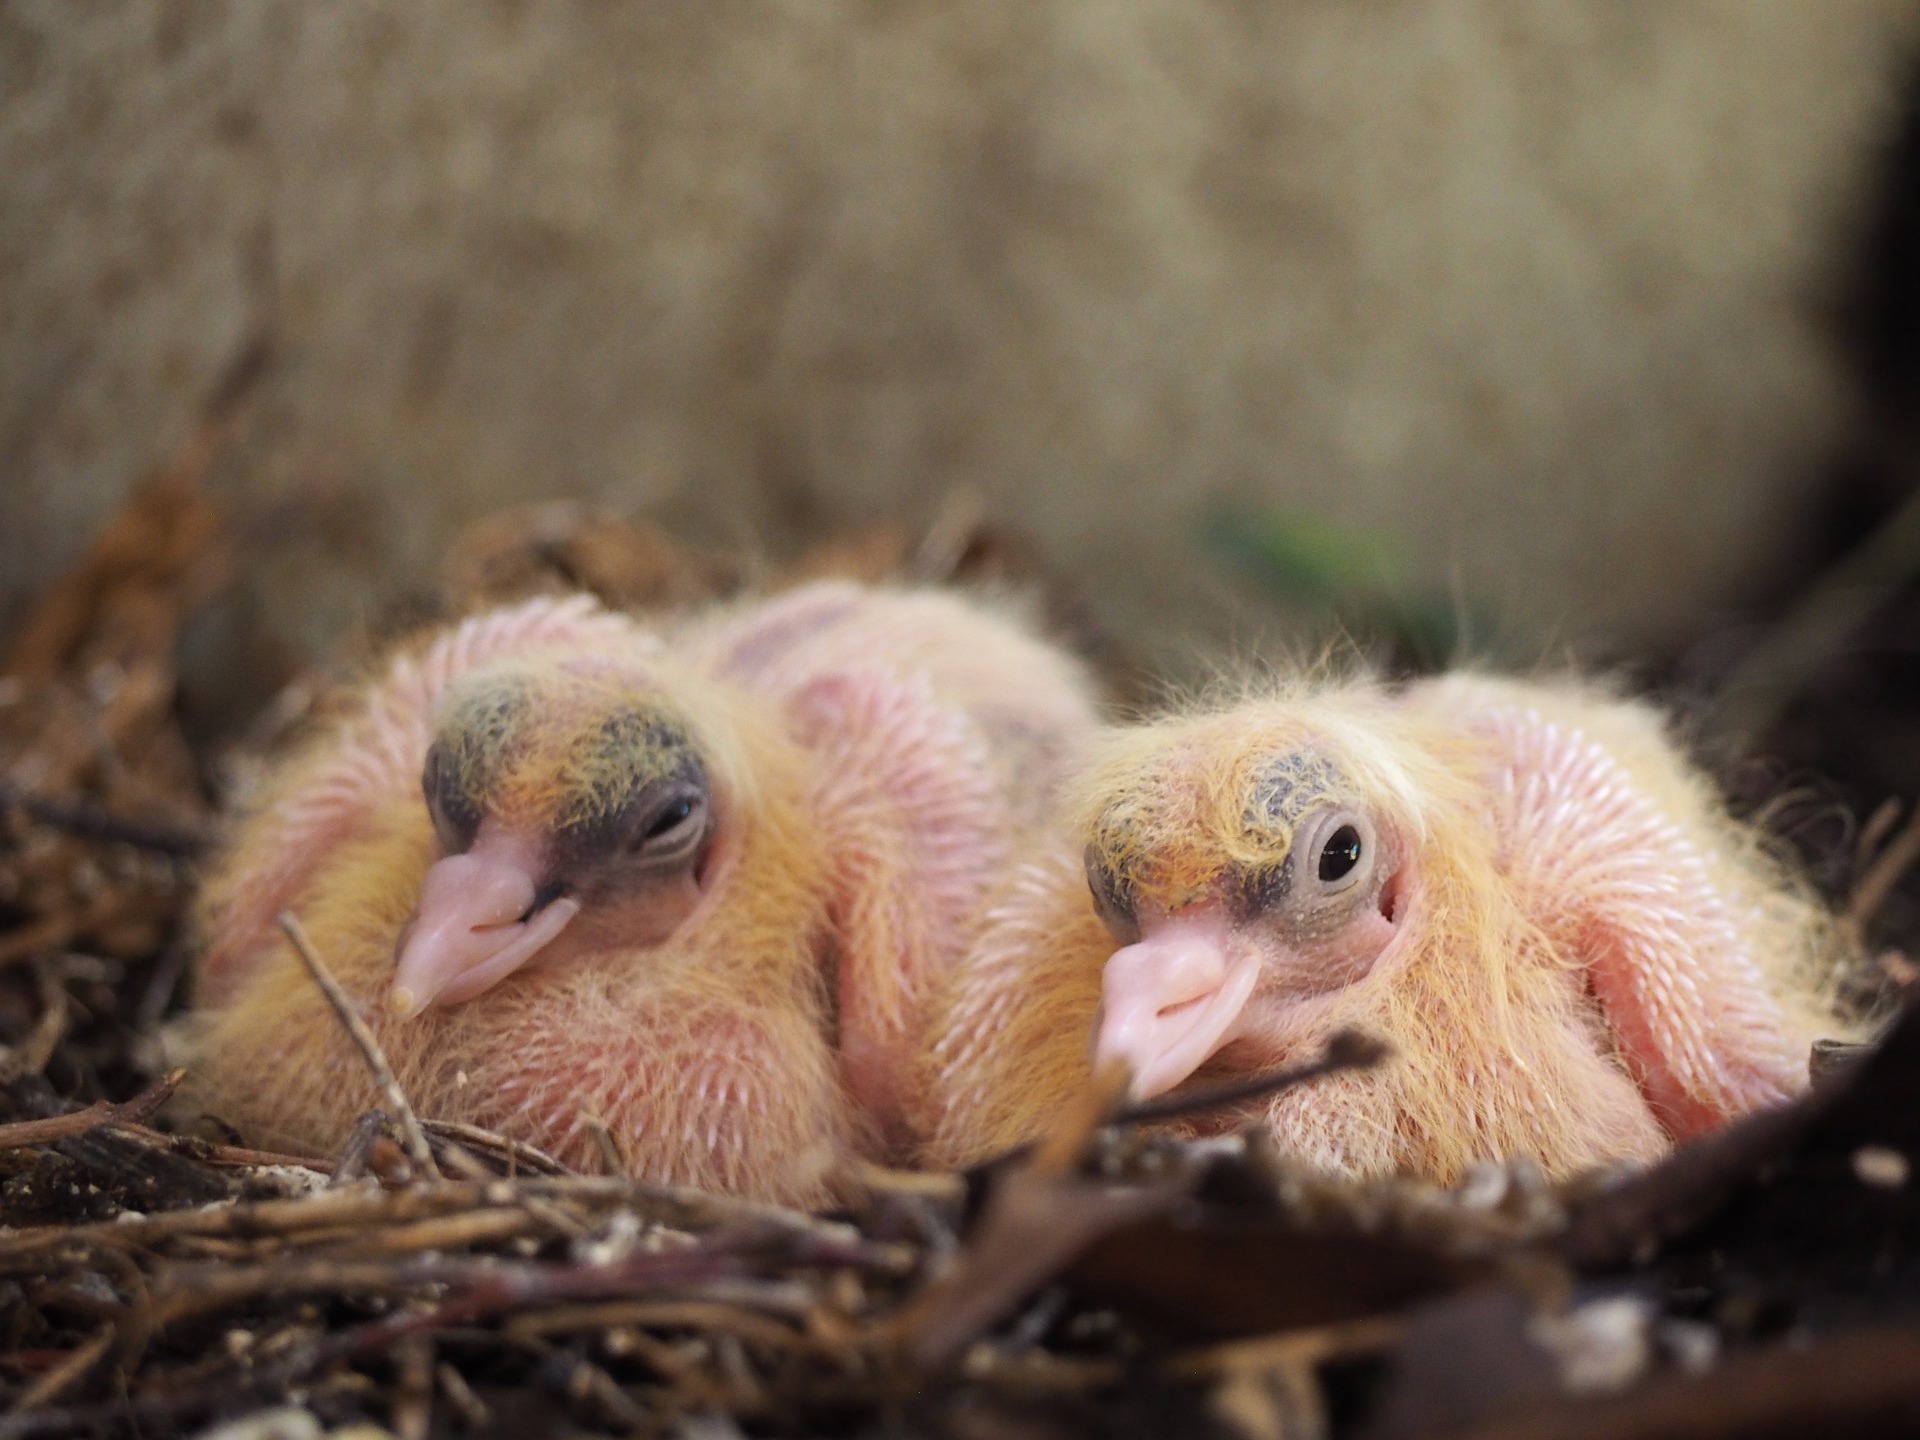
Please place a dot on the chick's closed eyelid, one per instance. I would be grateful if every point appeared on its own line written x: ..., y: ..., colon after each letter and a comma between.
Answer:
x: 674, y: 816
x: 667, y: 821
x: 680, y: 827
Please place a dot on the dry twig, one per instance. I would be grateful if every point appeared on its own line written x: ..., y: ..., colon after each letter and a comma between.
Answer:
x: 411, y: 1135
x: 1346, y: 1050
x: 1883, y: 872
x: 64, y: 1376
x: 22, y: 1133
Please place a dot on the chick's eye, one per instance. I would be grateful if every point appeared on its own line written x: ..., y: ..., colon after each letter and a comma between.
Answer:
x: 671, y: 818
x: 1340, y: 853
x: 673, y: 829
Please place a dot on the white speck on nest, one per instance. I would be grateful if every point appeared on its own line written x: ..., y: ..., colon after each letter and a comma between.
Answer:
x: 621, y: 1238
x: 1692, y: 1346
x: 1881, y: 1167
x: 1484, y: 1186
x: 287, y: 1423
x: 1600, y: 1348
x: 291, y: 1181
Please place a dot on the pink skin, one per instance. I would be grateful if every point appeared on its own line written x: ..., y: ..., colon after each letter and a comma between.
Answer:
x: 1197, y: 981
x: 1170, y: 1001
x: 467, y: 933
x: 1611, y: 874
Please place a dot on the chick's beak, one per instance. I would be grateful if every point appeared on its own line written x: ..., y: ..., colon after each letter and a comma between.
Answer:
x: 1170, y: 1001
x: 475, y: 923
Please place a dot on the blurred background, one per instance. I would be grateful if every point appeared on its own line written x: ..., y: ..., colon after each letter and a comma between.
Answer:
x: 1513, y: 328
x: 1528, y: 332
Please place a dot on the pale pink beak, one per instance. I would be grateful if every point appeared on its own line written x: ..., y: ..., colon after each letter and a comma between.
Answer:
x: 1172, y: 1000
x: 467, y: 934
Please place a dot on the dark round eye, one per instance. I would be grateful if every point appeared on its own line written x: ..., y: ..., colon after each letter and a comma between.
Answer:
x: 1340, y: 854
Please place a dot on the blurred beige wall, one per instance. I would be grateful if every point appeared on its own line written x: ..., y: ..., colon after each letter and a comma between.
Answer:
x: 1534, y: 289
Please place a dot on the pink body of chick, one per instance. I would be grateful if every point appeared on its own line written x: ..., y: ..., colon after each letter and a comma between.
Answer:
x: 1574, y: 954
x: 694, y: 886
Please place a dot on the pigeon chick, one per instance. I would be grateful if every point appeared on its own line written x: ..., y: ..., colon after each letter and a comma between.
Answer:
x: 1523, y: 889
x: 679, y: 897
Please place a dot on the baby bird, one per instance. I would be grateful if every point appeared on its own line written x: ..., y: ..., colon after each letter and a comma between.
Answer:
x: 1573, y: 952
x: 692, y: 886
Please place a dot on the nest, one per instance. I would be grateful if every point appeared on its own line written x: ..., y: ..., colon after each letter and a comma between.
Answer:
x: 158, y: 1278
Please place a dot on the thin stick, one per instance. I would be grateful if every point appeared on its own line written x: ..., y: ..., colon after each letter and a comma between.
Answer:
x: 454, y: 1386
x: 610, y: 1152
x: 57, y: 1381
x: 1820, y: 623
x: 210, y: 1154
x: 1874, y: 833
x: 1062, y: 1146
x: 515, y: 1152
x: 32, y: 1055
x: 1312, y: 1346
x: 413, y: 1387
x: 1346, y: 1050
x: 22, y: 1133
x: 1884, y: 872
x: 351, y: 1162
x: 87, y: 821
x: 411, y: 1135
x: 457, y: 1158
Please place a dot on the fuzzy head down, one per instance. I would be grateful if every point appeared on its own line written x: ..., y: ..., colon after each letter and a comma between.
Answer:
x: 699, y: 1056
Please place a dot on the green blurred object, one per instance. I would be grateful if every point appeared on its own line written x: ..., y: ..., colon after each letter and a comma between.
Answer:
x: 1356, y: 578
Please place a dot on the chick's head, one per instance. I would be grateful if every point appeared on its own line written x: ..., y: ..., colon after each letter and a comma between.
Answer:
x: 568, y: 797
x: 1247, y: 863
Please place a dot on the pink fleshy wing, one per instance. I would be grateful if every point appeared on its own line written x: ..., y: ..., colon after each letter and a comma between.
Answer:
x: 1605, y: 871
x: 917, y: 832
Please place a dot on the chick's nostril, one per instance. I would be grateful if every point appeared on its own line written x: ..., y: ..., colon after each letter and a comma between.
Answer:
x: 1179, y: 1007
